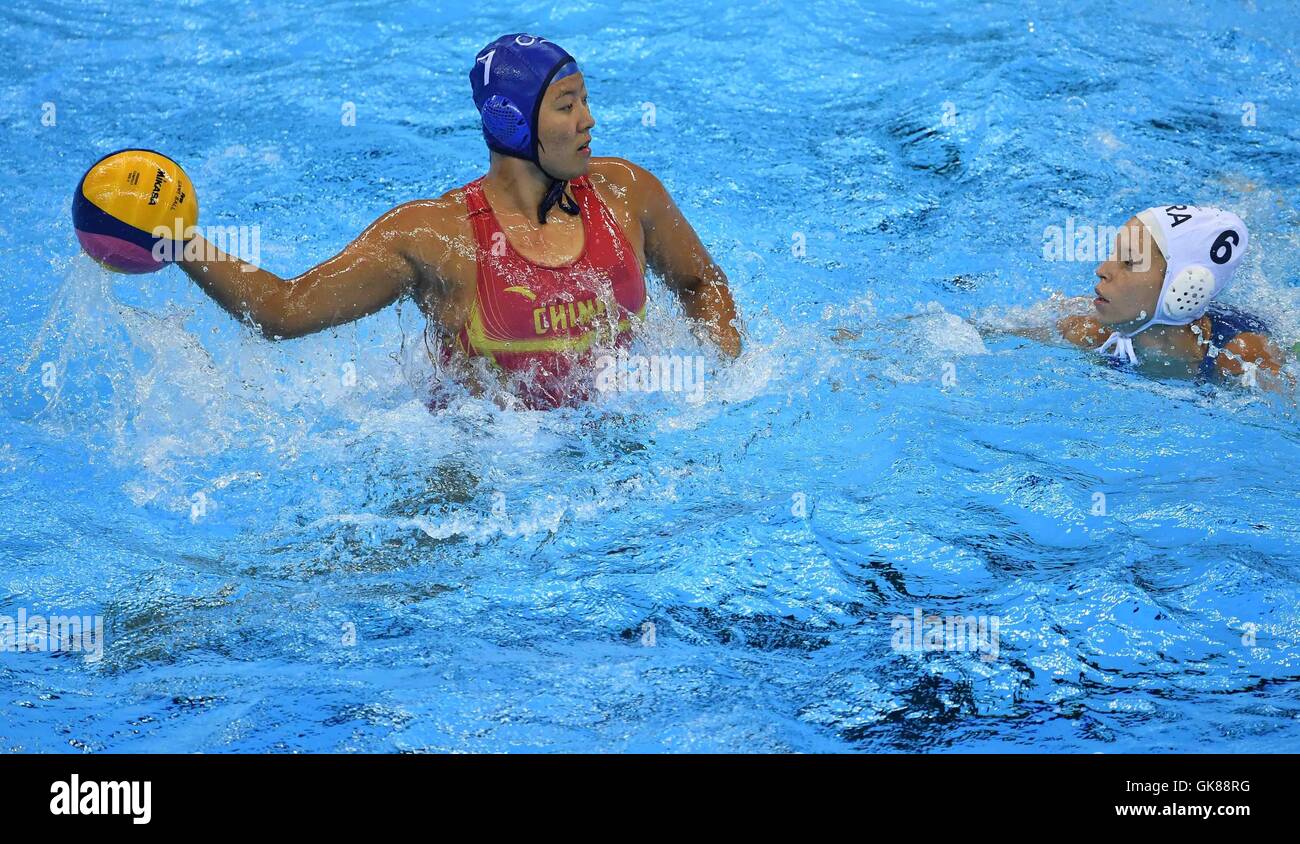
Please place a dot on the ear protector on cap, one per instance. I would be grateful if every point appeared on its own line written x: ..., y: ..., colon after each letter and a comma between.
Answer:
x: 507, y: 125
x: 1189, y: 293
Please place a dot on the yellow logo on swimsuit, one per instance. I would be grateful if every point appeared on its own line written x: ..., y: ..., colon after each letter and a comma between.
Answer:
x: 489, y: 345
x: 566, y: 315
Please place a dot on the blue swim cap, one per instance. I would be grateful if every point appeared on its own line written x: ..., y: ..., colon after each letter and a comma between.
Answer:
x: 509, y: 77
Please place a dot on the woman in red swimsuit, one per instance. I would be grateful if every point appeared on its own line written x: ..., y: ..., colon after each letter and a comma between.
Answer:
x: 532, y: 267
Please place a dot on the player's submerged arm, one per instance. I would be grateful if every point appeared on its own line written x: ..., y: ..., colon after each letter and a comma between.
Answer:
x: 372, y: 272
x: 1058, y: 319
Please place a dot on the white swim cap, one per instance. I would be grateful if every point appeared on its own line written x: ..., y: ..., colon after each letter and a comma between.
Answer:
x: 1202, y: 248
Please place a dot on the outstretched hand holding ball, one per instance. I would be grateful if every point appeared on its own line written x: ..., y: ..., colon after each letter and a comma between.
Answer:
x: 131, y: 210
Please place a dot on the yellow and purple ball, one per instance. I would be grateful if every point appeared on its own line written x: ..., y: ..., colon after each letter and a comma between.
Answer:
x: 125, y: 198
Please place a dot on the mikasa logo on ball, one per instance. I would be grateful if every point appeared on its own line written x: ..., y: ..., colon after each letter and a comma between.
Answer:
x: 157, y: 187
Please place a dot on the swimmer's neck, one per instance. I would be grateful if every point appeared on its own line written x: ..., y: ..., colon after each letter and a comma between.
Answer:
x: 517, y: 186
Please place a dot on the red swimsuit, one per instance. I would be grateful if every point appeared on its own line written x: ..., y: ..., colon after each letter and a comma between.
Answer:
x: 542, y: 325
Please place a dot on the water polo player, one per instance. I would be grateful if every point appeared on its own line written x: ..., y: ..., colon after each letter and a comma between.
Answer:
x: 1155, y: 310
x: 530, y: 266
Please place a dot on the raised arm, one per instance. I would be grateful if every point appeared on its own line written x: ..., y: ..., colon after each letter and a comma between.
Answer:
x: 371, y: 273
x: 674, y: 251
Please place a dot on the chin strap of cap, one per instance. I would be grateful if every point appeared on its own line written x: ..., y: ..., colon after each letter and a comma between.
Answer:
x: 1120, y: 347
x: 556, y: 197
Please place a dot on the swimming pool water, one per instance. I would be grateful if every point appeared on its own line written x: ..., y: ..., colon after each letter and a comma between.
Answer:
x: 290, y: 553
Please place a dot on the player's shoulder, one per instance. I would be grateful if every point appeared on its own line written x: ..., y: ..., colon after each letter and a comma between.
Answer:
x: 1249, y: 347
x: 1081, y: 330
x: 624, y: 175
x: 450, y: 203
x: 639, y: 191
x: 443, y: 214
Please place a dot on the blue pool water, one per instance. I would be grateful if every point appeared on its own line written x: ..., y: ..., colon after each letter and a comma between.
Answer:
x: 713, y: 572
